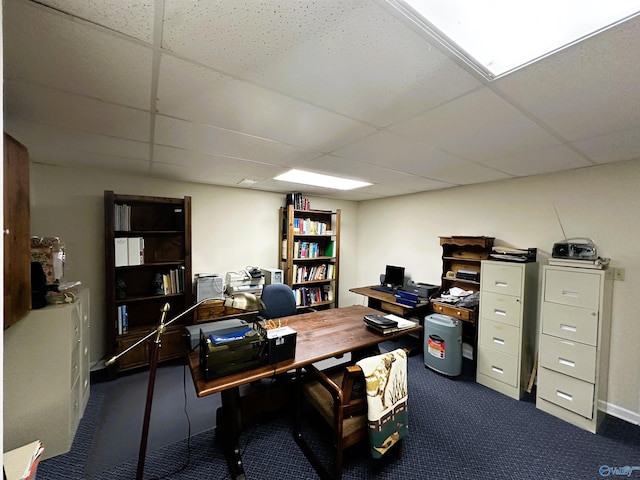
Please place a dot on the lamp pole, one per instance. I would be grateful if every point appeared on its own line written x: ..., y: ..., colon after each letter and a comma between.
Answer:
x: 153, y: 362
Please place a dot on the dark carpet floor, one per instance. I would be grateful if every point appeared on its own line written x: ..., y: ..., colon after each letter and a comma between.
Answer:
x: 458, y: 429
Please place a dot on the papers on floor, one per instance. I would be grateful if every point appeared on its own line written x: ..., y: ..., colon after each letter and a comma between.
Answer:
x: 21, y: 463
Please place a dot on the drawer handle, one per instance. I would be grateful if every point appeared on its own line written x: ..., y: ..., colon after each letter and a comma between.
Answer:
x: 502, y: 313
x: 497, y: 340
x: 569, y: 293
x: 567, y: 342
x: 568, y: 328
x: 564, y: 396
x: 567, y: 363
x: 497, y: 369
x: 501, y: 284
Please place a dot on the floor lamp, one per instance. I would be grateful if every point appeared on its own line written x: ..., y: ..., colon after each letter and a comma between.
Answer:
x: 244, y: 301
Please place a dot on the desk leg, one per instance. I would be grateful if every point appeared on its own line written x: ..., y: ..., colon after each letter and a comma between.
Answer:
x: 228, y: 427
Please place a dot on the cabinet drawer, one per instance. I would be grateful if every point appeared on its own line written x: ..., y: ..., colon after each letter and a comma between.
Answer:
x: 567, y: 392
x: 499, y: 336
x: 572, y: 323
x: 579, y: 289
x: 502, y: 278
x: 498, y: 365
x: 501, y: 308
x: 453, y: 312
x: 571, y: 358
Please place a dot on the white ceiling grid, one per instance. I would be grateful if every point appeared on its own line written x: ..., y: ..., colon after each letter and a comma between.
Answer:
x: 248, y: 89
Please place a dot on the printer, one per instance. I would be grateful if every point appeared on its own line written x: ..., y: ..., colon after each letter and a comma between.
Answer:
x: 245, y: 281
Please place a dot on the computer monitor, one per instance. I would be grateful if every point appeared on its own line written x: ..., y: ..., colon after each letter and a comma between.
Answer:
x: 394, y: 276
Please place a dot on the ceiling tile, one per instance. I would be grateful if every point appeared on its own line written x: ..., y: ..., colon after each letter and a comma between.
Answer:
x: 544, y: 160
x: 587, y: 90
x: 133, y: 18
x: 477, y: 126
x: 196, y: 94
x: 56, y: 138
x: 71, y: 56
x: 34, y: 103
x: 622, y: 145
x: 219, y: 141
x: 75, y: 158
x: 382, y: 177
x: 352, y: 57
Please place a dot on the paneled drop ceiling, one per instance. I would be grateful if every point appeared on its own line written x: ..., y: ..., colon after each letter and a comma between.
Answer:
x: 220, y: 92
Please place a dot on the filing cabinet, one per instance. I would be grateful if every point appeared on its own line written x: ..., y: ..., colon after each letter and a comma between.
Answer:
x: 506, y: 328
x: 46, y: 376
x: 575, y: 317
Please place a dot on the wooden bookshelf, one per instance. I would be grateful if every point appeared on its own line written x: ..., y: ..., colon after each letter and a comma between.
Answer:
x: 164, y: 225
x: 310, y: 255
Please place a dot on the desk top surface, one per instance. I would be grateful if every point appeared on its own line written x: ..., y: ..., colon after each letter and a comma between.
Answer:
x: 320, y: 335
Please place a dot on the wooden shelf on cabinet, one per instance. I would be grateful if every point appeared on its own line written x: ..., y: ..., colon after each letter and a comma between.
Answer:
x: 462, y: 253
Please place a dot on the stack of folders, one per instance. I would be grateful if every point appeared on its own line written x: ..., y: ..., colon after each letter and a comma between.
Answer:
x: 407, y: 298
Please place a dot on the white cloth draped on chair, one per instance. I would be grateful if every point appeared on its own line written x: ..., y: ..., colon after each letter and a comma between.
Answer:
x: 386, y: 383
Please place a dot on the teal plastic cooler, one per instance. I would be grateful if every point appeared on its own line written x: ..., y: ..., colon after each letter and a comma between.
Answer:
x: 443, y: 344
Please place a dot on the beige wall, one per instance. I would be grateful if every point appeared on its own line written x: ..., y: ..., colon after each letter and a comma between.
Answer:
x: 599, y: 202
x: 233, y: 228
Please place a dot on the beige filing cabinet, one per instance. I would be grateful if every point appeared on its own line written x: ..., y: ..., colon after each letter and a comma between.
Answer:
x: 46, y: 376
x: 573, y: 348
x: 506, y: 328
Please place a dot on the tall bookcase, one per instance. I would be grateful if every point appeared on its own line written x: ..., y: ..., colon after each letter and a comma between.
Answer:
x: 310, y: 255
x: 147, y: 264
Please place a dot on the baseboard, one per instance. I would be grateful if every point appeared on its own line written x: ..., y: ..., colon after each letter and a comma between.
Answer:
x: 621, y: 413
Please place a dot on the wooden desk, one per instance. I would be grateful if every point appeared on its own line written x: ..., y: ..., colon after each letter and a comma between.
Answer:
x: 320, y: 335
x: 387, y: 303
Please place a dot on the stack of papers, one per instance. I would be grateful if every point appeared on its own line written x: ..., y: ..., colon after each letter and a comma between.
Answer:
x: 22, y: 463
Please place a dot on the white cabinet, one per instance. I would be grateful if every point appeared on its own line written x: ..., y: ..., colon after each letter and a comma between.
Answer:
x: 46, y: 376
x: 575, y: 319
x: 506, y: 328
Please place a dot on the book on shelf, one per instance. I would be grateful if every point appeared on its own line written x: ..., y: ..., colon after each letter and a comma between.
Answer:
x: 121, y: 252
x: 135, y: 250
x: 330, y: 249
x: 122, y: 320
x: 122, y: 217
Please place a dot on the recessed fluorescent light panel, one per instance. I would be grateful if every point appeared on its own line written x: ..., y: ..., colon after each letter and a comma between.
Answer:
x: 320, y: 180
x: 497, y: 37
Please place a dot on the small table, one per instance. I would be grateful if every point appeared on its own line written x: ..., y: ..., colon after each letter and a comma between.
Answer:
x: 320, y: 335
x: 387, y: 303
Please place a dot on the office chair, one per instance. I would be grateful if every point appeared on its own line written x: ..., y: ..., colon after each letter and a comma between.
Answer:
x: 279, y: 301
x: 340, y: 396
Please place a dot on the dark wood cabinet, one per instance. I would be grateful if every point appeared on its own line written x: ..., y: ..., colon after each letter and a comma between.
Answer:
x: 461, y: 264
x: 147, y: 265
x: 310, y: 255
x: 17, y: 253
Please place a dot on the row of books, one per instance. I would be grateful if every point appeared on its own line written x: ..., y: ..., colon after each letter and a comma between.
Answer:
x: 129, y: 251
x: 309, y: 249
x: 122, y: 217
x: 306, y: 226
x: 298, y: 201
x: 305, y: 273
x: 173, y: 281
x: 307, y: 296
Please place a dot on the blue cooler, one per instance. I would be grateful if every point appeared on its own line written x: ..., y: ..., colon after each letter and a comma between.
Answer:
x: 443, y: 344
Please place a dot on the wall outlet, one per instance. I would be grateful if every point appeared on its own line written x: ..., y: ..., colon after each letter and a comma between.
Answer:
x: 618, y: 274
